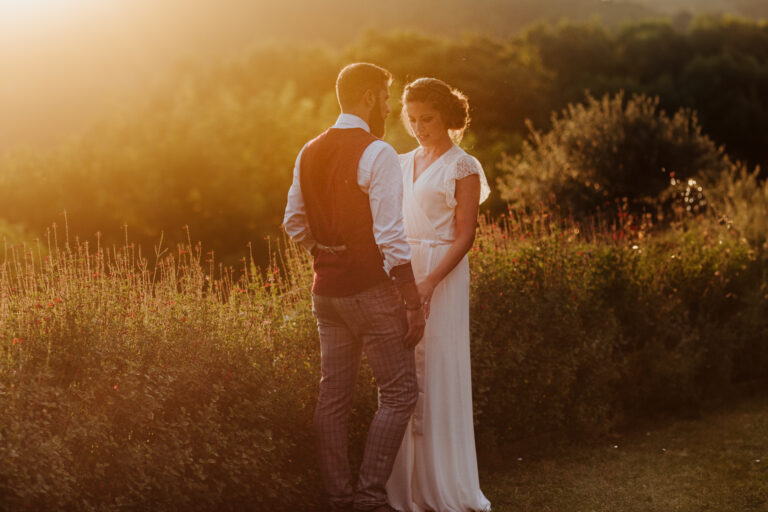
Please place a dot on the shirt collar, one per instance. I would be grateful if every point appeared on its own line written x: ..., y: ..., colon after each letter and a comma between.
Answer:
x: 351, y: 121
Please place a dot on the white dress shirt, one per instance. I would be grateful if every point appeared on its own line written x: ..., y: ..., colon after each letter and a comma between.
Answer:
x: 379, y: 176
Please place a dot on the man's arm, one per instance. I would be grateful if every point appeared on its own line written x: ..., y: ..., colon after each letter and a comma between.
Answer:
x: 385, y: 194
x: 295, y: 220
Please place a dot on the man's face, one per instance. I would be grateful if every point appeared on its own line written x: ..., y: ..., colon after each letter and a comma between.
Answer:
x: 379, y: 113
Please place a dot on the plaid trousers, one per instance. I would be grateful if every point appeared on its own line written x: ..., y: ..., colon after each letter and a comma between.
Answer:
x: 373, y: 321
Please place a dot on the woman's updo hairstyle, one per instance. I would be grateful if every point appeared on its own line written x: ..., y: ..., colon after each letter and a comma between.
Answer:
x: 450, y: 102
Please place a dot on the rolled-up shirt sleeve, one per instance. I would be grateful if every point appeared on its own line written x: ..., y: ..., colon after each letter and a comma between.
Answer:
x: 385, y: 194
x: 295, y: 220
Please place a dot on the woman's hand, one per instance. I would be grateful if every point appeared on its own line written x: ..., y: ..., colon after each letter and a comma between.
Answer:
x: 426, y: 289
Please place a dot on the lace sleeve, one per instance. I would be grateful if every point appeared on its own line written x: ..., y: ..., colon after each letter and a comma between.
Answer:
x: 466, y: 165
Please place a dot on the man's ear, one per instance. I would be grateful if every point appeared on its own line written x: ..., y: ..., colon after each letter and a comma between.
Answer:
x: 369, y: 98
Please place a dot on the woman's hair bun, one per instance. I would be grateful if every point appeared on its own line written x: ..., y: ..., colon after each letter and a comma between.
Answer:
x: 449, y: 101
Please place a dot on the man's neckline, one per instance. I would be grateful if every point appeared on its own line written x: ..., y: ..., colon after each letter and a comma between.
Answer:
x: 353, y: 120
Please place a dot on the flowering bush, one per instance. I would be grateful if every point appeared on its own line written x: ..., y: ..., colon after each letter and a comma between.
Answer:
x: 169, y: 382
x: 125, y: 383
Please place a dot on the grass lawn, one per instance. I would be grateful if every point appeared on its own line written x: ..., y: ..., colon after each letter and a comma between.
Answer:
x: 717, y: 461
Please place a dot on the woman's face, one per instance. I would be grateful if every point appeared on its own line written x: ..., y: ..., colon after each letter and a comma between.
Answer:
x: 426, y: 123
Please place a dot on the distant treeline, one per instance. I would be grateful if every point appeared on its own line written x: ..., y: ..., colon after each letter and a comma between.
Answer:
x: 215, y: 150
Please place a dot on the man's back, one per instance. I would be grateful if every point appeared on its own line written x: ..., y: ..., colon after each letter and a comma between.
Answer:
x: 339, y: 213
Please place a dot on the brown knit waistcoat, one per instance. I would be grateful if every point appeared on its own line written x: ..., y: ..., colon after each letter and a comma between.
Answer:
x: 339, y: 213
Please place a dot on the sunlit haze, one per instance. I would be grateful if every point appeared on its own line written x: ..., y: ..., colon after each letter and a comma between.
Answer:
x: 65, y: 62
x: 33, y: 11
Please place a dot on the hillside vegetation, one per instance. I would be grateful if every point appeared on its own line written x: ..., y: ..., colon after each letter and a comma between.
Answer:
x: 130, y: 381
x: 215, y: 149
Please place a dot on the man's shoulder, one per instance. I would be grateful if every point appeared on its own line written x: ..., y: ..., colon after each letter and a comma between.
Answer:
x: 310, y: 144
x: 381, y: 146
x: 379, y: 156
x: 344, y: 136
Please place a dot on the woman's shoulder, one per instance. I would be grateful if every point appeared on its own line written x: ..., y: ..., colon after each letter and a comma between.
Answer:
x: 405, y: 157
x: 464, y: 163
x: 467, y: 165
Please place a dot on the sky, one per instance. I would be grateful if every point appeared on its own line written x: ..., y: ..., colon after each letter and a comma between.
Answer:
x: 65, y: 62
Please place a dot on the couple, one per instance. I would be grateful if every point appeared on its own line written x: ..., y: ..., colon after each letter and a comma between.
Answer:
x: 389, y: 235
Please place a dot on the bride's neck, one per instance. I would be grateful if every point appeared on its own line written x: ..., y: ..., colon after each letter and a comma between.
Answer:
x: 438, y: 148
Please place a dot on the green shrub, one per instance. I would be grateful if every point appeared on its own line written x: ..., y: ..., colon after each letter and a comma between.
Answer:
x: 740, y: 199
x: 575, y: 336
x: 129, y: 386
x: 608, y: 149
x: 129, y: 382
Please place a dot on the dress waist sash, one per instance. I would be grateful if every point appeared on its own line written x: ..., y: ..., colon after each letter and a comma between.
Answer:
x: 428, y: 242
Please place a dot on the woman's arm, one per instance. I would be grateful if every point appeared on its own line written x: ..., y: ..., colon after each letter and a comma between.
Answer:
x: 468, y: 199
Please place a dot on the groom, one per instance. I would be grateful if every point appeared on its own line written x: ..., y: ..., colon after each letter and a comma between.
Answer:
x: 345, y: 207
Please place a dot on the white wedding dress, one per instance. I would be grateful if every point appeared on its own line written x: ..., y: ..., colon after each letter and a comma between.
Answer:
x: 436, y: 467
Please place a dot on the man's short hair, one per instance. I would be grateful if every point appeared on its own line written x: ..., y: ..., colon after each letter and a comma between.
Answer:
x: 357, y: 78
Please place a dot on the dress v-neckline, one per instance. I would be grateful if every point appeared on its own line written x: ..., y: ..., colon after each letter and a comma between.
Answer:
x: 414, y: 178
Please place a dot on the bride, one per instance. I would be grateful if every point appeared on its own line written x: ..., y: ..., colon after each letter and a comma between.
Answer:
x: 436, y: 467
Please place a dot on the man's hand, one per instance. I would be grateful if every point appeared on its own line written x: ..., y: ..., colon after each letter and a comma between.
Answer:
x: 426, y: 289
x: 416, y: 323
x: 414, y: 313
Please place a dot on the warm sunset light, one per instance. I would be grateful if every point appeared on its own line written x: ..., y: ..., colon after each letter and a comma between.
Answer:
x: 37, y: 7
x: 525, y: 269
x: 23, y: 14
